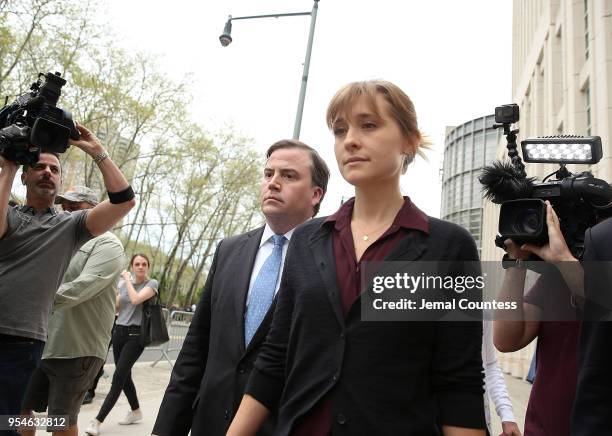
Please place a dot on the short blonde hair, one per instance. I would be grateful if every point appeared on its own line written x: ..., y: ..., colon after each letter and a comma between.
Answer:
x: 400, y: 106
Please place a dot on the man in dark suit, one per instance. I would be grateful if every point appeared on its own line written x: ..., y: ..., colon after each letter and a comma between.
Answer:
x: 234, y: 314
x: 593, y: 403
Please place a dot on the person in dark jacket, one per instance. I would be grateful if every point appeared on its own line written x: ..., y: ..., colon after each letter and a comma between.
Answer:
x: 235, y: 311
x: 322, y: 367
x: 591, y: 412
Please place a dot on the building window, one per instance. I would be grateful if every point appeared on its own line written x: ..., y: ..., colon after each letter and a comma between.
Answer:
x: 479, y: 139
x: 466, y: 188
x: 587, y: 107
x: 586, y: 29
x: 467, y: 154
x: 459, y: 157
x: 477, y: 195
x: 491, y: 146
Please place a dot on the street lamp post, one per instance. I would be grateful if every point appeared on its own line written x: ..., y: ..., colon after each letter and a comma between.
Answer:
x: 226, y: 39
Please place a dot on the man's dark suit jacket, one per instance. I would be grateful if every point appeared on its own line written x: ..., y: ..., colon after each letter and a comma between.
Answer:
x: 384, y: 378
x: 592, y: 414
x: 212, y: 369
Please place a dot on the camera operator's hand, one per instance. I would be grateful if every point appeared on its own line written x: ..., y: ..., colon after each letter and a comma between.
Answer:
x: 88, y: 142
x: 514, y: 251
x: 8, y: 165
x: 107, y: 213
x: 510, y: 429
x: 8, y: 170
x: 556, y: 249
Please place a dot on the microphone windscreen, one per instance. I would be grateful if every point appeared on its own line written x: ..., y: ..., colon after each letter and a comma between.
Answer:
x: 502, y: 182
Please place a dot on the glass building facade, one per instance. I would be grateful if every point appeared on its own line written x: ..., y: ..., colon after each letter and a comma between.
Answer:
x: 467, y: 149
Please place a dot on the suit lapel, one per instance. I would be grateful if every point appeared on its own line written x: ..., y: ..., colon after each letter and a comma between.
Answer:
x: 245, y: 259
x: 323, y: 254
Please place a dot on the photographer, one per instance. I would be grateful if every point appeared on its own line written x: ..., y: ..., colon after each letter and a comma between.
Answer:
x: 36, y: 245
x: 553, y: 296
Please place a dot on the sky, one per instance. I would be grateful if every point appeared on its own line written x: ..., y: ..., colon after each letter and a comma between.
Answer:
x: 453, y: 58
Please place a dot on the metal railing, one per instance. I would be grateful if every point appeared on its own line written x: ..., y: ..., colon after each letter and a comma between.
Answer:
x: 178, y: 324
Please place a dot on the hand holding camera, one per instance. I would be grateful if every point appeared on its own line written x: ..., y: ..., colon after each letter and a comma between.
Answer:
x: 88, y: 142
x: 6, y: 164
x: 556, y: 249
x: 515, y: 251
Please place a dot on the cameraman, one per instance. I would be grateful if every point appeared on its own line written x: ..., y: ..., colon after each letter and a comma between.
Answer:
x: 591, y: 415
x: 36, y: 245
x: 553, y: 296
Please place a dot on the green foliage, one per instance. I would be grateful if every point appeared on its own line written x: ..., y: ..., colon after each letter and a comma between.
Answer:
x: 193, y: 187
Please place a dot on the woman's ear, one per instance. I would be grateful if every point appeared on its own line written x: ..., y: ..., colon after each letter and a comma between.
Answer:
x: 411, y: 145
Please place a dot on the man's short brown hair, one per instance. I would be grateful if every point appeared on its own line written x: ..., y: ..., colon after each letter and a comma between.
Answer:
x: 319, y: 172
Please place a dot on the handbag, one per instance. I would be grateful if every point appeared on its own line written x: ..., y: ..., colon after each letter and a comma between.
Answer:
x: 153, y: 329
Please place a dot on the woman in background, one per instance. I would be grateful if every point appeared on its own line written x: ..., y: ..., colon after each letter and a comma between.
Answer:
x: 134, y: 290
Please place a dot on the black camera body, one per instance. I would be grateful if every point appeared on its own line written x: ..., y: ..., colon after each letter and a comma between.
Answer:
x: 33, y: 123
x: 579, y: 200
x: 507, y: 113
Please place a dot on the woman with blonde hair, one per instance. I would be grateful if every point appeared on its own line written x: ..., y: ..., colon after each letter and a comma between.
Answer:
x: 323, y: 369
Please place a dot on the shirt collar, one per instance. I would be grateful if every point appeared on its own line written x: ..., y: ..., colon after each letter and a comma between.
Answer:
x: 408, y: 217
x: 29, y: 209
x: 268, y: 233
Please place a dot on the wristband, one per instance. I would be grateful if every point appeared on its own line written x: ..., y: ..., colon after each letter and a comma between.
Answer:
x: 122, y: 196
x: 100, y: 157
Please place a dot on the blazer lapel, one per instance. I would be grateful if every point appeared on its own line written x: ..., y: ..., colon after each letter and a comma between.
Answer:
x: 410, y: 248
x: 246, y: 252
x: 323, y: 254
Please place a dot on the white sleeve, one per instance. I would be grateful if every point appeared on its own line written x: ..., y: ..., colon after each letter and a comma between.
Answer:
x: 494, y: 379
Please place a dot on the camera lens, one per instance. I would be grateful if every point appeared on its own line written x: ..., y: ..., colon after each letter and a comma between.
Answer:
x: 528, y: 221
x: 49, y: 135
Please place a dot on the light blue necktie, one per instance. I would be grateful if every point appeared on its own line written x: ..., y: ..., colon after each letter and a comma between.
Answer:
x: 262, y: 292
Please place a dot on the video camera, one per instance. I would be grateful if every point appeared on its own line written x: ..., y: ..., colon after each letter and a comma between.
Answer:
x: 578, y: 199
x: 33, y: 123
